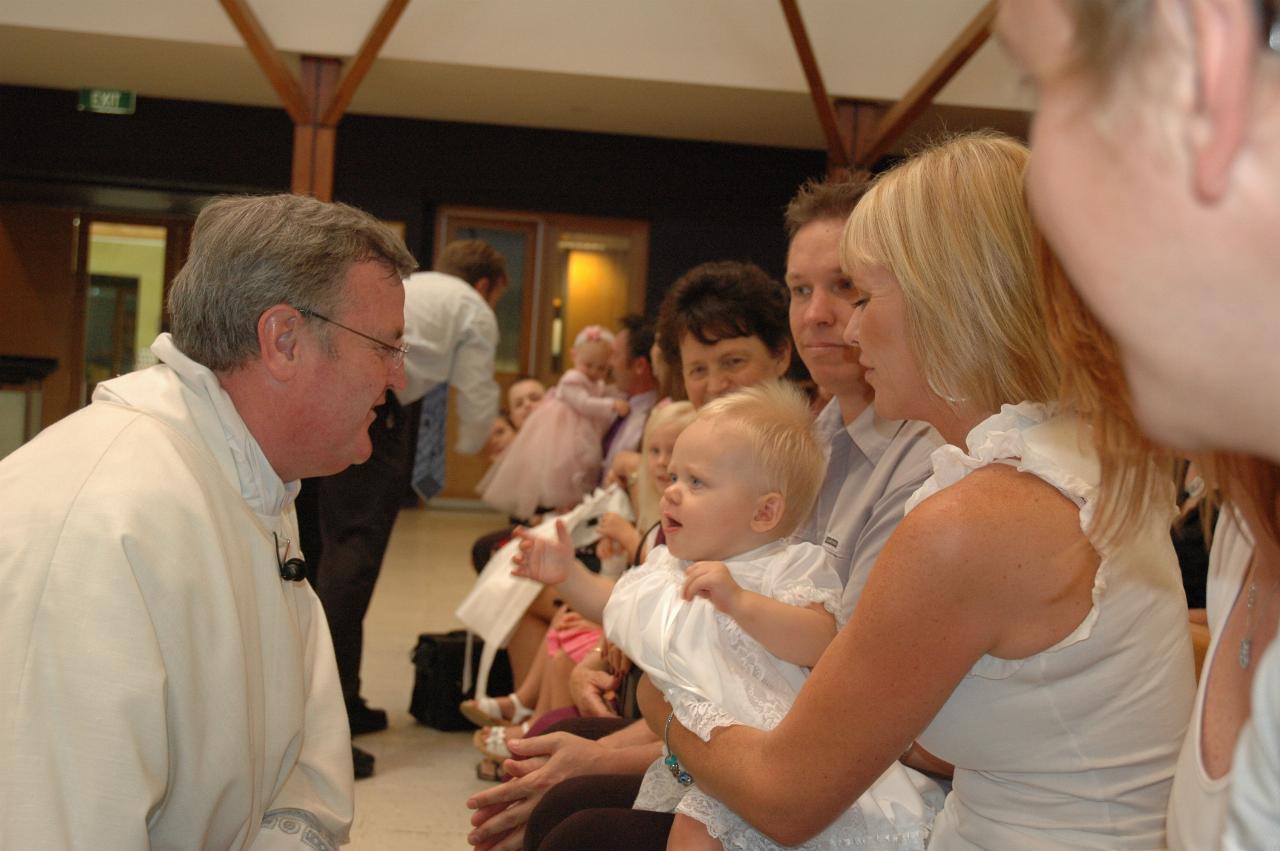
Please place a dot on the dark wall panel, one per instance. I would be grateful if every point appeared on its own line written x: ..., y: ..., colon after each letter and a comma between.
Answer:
x: 703, y: 201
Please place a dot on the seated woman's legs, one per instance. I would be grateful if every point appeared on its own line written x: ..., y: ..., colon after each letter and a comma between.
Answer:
x: 594, y: 812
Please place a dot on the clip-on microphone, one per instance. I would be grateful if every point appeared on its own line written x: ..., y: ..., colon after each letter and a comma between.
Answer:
x: 291, y: 570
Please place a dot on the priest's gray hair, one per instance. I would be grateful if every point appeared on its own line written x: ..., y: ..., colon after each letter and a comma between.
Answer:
x: 251, y: 253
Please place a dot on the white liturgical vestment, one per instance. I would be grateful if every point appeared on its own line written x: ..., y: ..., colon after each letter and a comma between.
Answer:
x: 161, y: 686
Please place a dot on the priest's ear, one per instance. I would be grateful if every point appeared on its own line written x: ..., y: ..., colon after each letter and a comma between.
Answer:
x: 768, y: 512
x: 279, y: 340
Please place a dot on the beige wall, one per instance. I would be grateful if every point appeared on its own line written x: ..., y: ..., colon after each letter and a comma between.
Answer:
x: 135, y: 251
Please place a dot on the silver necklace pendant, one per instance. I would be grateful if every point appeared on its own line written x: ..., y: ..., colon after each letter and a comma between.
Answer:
x: 1246, y: 643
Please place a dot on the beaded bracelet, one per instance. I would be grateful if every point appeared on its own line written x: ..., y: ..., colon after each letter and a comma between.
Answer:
x: 682, y: 777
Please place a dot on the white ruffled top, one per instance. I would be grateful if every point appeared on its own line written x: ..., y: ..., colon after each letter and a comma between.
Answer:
x: 1075, y: 746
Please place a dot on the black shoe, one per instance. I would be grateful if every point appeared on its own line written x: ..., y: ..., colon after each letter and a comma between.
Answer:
x: 362, y: 761
x: 363, y: 719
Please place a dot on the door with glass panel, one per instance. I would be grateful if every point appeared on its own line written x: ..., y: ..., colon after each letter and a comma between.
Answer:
x: 125, y: 266
x: 566, y: 272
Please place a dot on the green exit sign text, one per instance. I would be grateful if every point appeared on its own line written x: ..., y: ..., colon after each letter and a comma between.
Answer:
x: 113, y: 101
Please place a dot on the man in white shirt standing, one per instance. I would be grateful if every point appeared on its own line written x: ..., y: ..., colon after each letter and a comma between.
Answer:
x: 167, y: 679
x: 453, y: 338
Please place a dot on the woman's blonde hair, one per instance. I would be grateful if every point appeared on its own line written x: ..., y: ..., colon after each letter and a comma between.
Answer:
x: 775, y: 419
x: 951, y: 225
x: 1135, y: 470
x: 647, y: 493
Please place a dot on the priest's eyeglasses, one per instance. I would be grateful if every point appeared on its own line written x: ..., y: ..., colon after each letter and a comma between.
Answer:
x: 395, y: 352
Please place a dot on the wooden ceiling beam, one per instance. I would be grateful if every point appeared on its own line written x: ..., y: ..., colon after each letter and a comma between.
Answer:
x: 918, y: 98
x: 838, y: 153
x: 269, y: 59
x: 318, y: 103
x: 362, y: 62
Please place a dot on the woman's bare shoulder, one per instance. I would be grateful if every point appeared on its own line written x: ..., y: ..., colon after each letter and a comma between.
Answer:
x: 987, y: 529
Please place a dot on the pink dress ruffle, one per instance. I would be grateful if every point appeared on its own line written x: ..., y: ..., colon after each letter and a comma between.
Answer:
x: 576, y: 642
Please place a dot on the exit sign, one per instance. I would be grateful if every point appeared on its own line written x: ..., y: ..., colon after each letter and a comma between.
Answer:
x: 113, y: 101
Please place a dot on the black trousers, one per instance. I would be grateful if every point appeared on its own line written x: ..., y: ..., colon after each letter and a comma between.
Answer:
x: 594, y: 812
x: 354, y: 513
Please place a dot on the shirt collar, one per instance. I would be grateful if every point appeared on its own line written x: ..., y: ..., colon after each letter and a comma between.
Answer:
x: 872, y: 433
x: 643, y: 400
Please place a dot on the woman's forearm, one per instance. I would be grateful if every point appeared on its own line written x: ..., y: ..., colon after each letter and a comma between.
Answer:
x: 740, y: 768
x: 631, y: 750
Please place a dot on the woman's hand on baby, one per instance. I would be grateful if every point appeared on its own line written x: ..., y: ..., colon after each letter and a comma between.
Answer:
x: 622, y: 407
x: 548, y: 562
x: 711, y: 579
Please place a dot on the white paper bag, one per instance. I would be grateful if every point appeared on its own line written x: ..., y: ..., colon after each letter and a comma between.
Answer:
x: 498, y: 600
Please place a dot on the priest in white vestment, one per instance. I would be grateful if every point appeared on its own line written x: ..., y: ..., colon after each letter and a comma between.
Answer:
x: 166, y: 680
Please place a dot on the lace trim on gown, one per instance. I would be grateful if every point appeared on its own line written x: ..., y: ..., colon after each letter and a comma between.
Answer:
x: 853, y: 829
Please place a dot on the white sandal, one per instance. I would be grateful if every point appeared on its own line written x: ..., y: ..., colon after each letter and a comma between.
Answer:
x: 492, y: 741
x: 486, y: 711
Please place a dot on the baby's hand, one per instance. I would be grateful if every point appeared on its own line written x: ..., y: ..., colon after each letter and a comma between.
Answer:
x: 544, y: 561
x: 613, y: 525
x: 711, y: 579
x: 622, y: 407
x: 567, y: 619
x: 608, y: 548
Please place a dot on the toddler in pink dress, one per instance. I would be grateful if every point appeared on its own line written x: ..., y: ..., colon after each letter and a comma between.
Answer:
x: 555, y: 458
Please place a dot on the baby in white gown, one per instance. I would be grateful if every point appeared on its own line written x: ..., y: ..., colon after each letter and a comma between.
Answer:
x: 727, y: 617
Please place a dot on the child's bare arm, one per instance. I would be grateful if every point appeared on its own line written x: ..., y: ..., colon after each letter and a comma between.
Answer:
x: 552, y: 563
x: 796, y: 634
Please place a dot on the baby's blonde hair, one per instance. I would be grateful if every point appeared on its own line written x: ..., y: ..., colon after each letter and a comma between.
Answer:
x: 775, y: 419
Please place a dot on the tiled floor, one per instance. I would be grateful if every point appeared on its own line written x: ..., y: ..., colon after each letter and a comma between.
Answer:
x: 415, y: 799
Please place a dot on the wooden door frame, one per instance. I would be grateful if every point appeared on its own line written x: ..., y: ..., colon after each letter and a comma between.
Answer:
x: 537, y: 312
x: 449, y: 219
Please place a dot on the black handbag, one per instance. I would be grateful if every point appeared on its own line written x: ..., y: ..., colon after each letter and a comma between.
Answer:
x: 437, y: 680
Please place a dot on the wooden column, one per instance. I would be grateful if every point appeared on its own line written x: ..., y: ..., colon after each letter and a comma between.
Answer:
x: 857, y: 121
x: 313, y: 142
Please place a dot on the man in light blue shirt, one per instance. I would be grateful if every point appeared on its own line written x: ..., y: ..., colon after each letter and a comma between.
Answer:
x: 874, y: 464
